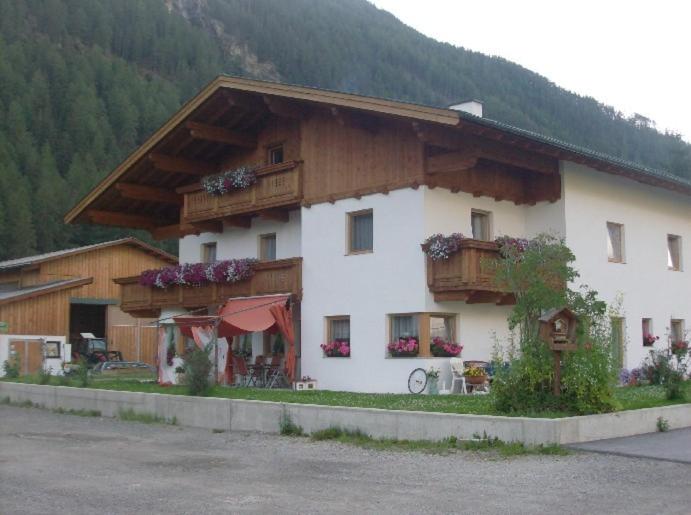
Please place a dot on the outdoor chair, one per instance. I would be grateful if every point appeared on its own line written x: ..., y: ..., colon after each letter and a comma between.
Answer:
x: 277, y: 378
x: 242, y: 370
x: 458, y: 374
x: 257, y: 371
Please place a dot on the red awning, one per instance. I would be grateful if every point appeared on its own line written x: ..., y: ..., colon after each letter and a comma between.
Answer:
x: 249, y: 315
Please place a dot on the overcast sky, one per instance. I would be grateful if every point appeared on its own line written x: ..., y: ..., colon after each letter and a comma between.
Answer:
x: 634, y: 55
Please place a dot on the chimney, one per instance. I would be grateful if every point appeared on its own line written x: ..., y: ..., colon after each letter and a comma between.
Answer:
x: 473, y: 107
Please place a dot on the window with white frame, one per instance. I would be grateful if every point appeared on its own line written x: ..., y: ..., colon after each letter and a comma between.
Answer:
x: 480, y: 224
x: 275, y: 154
x: 615, y: 242
x: 673, y: 252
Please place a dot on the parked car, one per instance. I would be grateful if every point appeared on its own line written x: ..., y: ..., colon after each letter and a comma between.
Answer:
x: 135, y: 370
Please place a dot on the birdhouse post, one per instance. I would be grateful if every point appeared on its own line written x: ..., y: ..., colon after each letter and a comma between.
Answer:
x: 558, y: 330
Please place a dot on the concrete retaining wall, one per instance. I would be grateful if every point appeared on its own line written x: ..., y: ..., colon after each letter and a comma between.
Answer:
x: 242, y: 415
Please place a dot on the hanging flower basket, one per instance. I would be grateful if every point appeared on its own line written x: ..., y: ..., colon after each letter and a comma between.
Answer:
x: 231, y: 180
x: 509, y: 246
x: 199, y: 274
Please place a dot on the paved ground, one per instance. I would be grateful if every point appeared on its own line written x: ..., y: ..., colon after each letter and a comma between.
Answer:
x: 670, y: 446
x: 53, y: 463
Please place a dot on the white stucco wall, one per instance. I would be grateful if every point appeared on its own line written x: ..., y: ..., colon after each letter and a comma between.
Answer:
x: 54, y: 365
x: 649, y: 214
x: 238, y: 242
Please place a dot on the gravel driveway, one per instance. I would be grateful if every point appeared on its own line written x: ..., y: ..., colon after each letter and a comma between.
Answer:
x: 52, y: 463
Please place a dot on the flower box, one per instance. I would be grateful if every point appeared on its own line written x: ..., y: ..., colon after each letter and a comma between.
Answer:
x: 336, y: 349
x: 441, y: 348
x: 404, y: 347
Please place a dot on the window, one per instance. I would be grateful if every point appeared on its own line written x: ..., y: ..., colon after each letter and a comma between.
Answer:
x: 617, y: 344
x: 442, y: 326
x: 676, y: 330
x: 360, y: 232
x: 647, y: 331
x: 267, y: 247
x: 276, y: 154
x: 209, y: 252
x: 615, y: 242
x: 673, y: 252
x: 480, y: 222
x: 404, y: 326
x: 338, y: 329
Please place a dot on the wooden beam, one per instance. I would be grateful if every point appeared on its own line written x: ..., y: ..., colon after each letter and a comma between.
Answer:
x: 181, y: 230
x: 118, y: 219
x: 148, y: 193
x: 221, y: 135
x: 481, y: 147
x: 245, y: 101
x: 281, y: 107
x: 450, y: 162
x: 278, y: 215
x: 181, y: 165
x: 348, y: 118
x: 244, y: 222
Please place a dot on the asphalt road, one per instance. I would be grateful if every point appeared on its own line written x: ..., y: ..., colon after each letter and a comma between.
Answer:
x: 670, y: 446
x: 52, y: 463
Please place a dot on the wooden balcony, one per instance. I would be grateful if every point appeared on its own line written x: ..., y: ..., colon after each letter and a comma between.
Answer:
x: 278, y: 186
x: 466, y: 275
x: 281, y: 276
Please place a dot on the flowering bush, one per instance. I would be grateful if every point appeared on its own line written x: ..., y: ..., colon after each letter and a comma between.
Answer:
x: 404, y: 347
x: 649, y: 340
x: 336, y: 349
x: 624, y: 377
x: 509, y: 246
x: 444, y: 349
x: 439, y: 247
x: 230, y: 180
x: 199, y: 274
x: 680, y: 348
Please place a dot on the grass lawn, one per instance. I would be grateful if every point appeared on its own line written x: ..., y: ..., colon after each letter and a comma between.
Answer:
x: 628, y: 398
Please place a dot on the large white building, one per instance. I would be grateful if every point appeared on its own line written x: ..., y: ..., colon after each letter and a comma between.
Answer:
x: 353, y: 185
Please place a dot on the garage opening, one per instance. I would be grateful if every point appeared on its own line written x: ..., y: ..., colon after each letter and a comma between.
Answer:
x: 87, y: 318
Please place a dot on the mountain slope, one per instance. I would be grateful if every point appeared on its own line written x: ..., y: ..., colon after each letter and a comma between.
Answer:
x: 82, y: 83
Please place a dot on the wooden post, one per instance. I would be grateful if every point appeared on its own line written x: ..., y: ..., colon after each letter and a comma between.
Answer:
x: 557, y: 373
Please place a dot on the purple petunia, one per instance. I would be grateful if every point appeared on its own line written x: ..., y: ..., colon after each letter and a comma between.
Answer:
x: 199, y: 274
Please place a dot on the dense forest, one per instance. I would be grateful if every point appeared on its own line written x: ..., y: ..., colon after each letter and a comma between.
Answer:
x: 82, y: 83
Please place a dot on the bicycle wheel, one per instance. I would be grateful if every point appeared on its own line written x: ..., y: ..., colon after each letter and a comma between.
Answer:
x: 417, y: 381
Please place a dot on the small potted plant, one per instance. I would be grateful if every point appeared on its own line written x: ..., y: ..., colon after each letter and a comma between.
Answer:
x: 404, y: 347
x: 433, y: 381
x: 180, y: 375
x: 475, y: 375
x: 649, y: 340
x: 442, y: 348
x: 336, y: 349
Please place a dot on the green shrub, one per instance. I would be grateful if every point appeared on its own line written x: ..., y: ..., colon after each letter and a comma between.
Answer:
x: 44, y: 376
x: 197, y: 371
x: 81, y: 373
x: 289, y: 428
x: 662, y: 424
x: 11, y: 368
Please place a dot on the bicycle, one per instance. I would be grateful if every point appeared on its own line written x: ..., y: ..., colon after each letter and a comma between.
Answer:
x: 417, y: 381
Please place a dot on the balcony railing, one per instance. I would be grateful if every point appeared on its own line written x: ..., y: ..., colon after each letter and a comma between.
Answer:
x: 281, y: 276
x: 277, y: 186
x: 466, y: 275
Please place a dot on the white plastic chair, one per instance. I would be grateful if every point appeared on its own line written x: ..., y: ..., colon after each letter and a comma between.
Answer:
x: 457, y: 374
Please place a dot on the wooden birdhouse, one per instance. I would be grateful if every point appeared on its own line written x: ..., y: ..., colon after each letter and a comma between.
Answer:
x: 558, y: 329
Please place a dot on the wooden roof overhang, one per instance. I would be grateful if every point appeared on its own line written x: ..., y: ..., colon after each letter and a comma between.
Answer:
x: 226, y: 116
